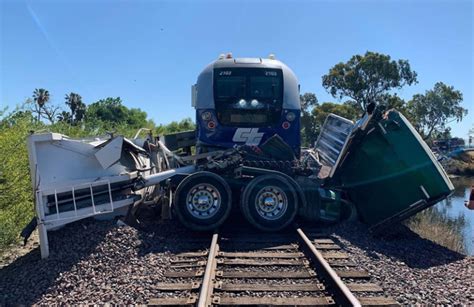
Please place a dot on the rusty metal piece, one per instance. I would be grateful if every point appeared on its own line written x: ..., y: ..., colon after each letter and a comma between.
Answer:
x: 343, y: 295
x: 205, y: 295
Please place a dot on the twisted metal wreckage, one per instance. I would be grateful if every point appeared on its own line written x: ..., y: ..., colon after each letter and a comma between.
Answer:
x: 378, y: 168
x: 247, y: 137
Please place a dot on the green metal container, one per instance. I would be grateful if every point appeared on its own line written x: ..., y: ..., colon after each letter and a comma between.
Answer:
x: 388, y: 171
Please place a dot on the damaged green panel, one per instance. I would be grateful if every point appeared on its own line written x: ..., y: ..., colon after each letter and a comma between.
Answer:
x: 388, y: 171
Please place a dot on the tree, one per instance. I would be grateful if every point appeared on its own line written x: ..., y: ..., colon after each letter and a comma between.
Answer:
x: 77, y: 107
x: 184, y: 125
x: 112, y: 112
x: 40, y: 98
x: 367, y: 78
x: 107, y: 110
x: 321, y: 112
x: 65, y: 116
x: 41, y: 108
x: 308, y: 134
x: 431, y: 112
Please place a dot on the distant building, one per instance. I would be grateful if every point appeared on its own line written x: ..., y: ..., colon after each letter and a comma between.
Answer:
x: 446, y: 145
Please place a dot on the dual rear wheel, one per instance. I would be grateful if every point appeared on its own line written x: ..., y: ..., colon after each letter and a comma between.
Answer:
x: 269, y: 202
x: 203, y: 202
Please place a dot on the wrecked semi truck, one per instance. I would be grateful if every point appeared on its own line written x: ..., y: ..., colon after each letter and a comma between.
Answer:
x: 248, y: 157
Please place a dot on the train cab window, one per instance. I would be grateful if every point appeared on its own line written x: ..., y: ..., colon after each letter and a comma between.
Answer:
x: 248, y: 97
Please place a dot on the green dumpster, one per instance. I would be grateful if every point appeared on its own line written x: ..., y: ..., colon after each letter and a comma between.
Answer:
x: 388, y: 171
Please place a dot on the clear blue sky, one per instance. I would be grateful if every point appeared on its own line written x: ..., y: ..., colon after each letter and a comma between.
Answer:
x: 150, y: 52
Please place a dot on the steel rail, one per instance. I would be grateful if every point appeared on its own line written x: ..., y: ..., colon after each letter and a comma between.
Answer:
x: 343, y: 296
x: 207, y: 287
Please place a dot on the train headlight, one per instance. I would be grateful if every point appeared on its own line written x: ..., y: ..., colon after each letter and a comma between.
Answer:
x: 290, y: 116
x: 211, y: 125
x: 254, y: 103
x: 206, y: 116
x: 242, y: 103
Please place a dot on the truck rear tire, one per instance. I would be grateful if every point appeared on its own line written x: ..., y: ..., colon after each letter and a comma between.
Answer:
x: 203, y: 201
x: 269, y: 202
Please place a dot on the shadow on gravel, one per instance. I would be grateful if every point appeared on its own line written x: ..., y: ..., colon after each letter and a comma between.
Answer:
x: 400, y: 243
x: 29, y: 277
x: 173, y: 238
x: 170, y: 237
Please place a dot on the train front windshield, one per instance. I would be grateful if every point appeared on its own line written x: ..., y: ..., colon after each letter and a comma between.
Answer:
x: 248, y: 97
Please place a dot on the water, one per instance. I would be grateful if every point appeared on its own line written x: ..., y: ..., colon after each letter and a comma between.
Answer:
x: 454, y: 210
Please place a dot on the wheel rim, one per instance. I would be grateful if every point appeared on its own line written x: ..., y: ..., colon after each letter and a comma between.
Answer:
x: 203, y: 201
x: 271, y: 202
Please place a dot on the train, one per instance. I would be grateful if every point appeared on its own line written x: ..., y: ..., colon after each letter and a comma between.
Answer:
x: 244, y: 101
x: 248, y: 160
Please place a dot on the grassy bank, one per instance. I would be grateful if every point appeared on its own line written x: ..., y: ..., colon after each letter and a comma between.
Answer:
x: 462, y: 165
x: 433, y: 225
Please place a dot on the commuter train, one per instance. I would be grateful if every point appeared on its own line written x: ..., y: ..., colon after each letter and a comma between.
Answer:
x: 246, y: 101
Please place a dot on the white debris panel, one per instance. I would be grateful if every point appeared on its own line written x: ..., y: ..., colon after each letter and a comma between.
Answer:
x: 74, y: 179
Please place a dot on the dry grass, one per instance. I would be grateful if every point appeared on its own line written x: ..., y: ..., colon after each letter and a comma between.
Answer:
x: 433, y: 225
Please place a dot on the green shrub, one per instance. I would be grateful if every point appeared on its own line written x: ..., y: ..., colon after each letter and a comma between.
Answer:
x: 16, y: 198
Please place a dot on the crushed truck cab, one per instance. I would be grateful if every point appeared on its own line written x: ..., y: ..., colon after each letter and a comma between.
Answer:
x: 387, y: 171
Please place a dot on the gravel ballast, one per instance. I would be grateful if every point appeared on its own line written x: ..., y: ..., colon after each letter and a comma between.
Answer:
x: 100, y: 262
x: 412, y: 270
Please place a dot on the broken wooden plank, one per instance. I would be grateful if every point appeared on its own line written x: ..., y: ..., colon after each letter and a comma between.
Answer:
x: 194, y: 264
x: 192, y: 254
x: 260, y: 255
x: 274, y: 301
x: 352, y: 274
x: 183, y: 274
x: 323, y: 241
x: 254, y: 262
x: 266, y: 275
x: 173, y: 301
x: 234, y: 287
x: 367, y: 287
x: 335, y: 255
x: 177, y: 286
x: 327, y: 246
x: 377, y: 301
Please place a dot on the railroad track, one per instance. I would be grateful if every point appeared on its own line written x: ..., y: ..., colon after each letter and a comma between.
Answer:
x: 286, y: 270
